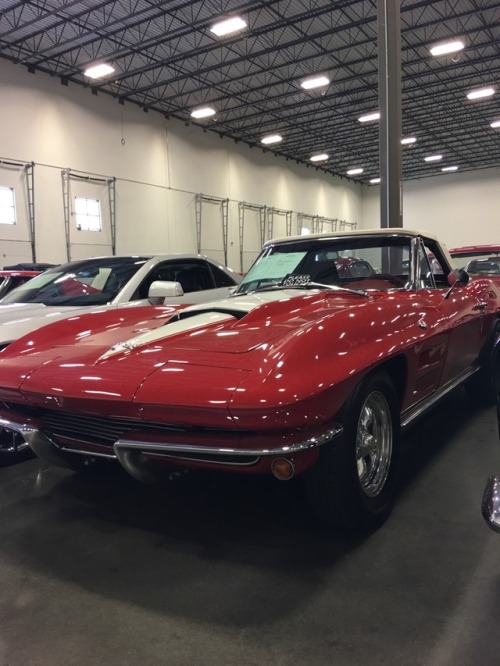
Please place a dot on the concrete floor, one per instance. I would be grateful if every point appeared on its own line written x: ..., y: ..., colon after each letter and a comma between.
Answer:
x: 216, y: 570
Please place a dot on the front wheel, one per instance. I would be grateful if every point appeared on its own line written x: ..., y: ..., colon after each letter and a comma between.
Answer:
x: 353, y: 484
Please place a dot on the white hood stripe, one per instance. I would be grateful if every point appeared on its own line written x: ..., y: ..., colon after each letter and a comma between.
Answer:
x: 167, y: 331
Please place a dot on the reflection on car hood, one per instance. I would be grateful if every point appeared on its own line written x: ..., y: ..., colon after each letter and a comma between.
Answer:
x: 137, y: 356
x: 21, y: 318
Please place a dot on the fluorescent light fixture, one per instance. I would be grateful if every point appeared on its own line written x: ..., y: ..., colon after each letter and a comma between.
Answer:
x: 354, y: 172
x: 433, y: 158
x: 495, y: 124
x: 408, y: 140
x: 368, y: 117
x: 450, y: 168
x: 98, y: 71
x: 374, y: 181
x: 319, y: 158
x: 315, y: 82
x: 451, y: 46
x: 203, y: 112
x: 480, y: 93
x: 228, y: 26
x: 271, y: 138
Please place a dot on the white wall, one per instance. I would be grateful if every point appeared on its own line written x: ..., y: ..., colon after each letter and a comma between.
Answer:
x: 159, y: 166
x: 460, y: 208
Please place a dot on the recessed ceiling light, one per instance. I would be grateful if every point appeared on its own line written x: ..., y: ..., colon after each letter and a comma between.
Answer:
x: 480, y: 93
x: 354, y: 172
x: 495, y: 124
x: 374, y: 181
x: 450, y: 168
x: 203, y: 112
x: 319, y: 158
x: 315, y: 82
x: 98, y: 71
x: 408, y: 140
x: 433, y: 158
x: 228, y: 26
x: 271, y: 138
x: 450, y: 46
x: 375, y: 115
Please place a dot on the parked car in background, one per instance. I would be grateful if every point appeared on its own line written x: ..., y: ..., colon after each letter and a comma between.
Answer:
x: 10, y: 279
x: 107, y: 283
x: 299, y: 373
x: 478, y: 259
x: 29, y: 266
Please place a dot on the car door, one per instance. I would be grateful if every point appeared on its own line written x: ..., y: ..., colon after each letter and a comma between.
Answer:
x: 460, y: 313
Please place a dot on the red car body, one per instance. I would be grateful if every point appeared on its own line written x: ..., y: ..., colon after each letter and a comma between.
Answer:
x: 304, y: 375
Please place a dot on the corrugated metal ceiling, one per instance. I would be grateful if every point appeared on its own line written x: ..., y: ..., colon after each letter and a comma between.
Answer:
x: 167, y: 60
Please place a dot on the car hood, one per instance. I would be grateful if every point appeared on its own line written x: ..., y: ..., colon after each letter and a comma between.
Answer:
x: 194, y: 360
x: 19, y: 319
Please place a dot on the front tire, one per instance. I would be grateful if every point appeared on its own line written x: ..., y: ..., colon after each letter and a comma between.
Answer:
x: 353, y: 484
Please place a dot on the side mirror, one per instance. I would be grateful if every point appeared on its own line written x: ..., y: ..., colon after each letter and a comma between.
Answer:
x: 161, y: 289
x: 458, y: 277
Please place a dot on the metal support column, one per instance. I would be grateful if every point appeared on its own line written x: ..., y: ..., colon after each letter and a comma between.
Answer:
x: 67, y: 175
x: 112, y: 212
x: 67, y: 209
x: 347, y: 226
x: 270, y: 221
x: 333, y: 221
x: 389, y: 80
x: 224, y: 207
x: 242, y: 207
x: 29, y: 171
x: 304, y: 216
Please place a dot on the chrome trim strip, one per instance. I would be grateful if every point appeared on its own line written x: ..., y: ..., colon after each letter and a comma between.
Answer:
x: 413, y: 413
x: 247, y: 462
x: 171, y: 447
x: 91, y: 454
x: 24, y: 428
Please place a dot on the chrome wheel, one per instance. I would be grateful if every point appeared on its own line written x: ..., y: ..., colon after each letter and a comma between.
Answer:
x: 374, y: 443
x: 353, y: 484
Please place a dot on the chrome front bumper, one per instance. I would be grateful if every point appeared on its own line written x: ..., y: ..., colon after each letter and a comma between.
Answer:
x: 131, y: 453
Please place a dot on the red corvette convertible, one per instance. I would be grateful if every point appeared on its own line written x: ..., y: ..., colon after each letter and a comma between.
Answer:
x: 301, y: 372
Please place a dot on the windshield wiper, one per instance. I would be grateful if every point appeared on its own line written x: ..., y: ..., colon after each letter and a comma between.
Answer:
x: 336, y: 287
x: 304, y: 285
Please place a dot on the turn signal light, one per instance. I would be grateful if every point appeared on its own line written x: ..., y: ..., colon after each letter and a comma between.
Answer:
x: 282, y: 469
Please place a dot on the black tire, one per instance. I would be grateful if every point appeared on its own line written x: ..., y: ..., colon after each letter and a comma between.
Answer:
x: 353, y: 484
x: 484, y: 386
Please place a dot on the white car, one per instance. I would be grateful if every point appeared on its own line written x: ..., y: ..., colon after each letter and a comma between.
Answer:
x: 103, y: 283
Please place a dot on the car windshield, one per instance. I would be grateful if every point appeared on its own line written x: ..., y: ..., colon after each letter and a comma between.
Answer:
x: 78, y: 283
x: 362, y: 262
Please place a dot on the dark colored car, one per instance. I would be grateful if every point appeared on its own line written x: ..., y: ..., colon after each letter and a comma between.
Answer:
x: 10, y: 279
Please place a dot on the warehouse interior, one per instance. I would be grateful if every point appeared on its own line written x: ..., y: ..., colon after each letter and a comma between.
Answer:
x: 215, y: 569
